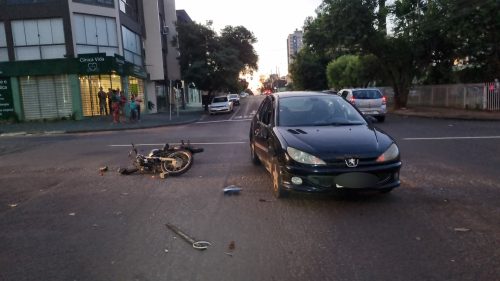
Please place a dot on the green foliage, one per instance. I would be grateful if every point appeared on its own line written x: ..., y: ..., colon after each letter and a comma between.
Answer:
x: 308, y: 71
x: 212, y: 62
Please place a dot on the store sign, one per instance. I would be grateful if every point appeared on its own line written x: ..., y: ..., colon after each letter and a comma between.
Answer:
x: 6, y: 101
x: 94, y: 64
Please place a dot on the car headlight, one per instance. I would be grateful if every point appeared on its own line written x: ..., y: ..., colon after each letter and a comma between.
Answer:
x: 303, y: 157
x: 390, y: 154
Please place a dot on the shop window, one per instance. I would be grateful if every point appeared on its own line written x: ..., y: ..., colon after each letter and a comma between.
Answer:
x: 4, y: 56
x: 95, y: 34
x: 38, y: 39
x: 132, y: 46
x: 89, y: 88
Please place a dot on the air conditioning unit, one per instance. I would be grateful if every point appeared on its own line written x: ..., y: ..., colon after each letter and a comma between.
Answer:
x: 164, y: 30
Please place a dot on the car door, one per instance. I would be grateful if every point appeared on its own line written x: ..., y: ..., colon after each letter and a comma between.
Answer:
x: 262, y: 132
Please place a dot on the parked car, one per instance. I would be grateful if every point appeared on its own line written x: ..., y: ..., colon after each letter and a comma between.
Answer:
x: 243, y: 94
x: 317, y: 142
x: 220, y: 104
x: 235, y: 98
x: 369, y: 101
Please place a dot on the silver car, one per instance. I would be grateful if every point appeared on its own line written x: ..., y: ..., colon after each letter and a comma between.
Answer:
x: 220, y: 104
x: 369, y: 101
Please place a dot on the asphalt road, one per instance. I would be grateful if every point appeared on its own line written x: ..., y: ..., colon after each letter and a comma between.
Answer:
x: 61, y: 219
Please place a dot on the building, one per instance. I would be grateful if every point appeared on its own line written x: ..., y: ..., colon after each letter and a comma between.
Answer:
x: 56, y: 54
x: 294, y: 44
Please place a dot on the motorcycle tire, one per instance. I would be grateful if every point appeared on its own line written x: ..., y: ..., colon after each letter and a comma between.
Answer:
x: 183, y: 157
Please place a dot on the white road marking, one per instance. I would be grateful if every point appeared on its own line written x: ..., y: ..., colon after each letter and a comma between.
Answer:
x: 454, y: 138
x: 194, y: 143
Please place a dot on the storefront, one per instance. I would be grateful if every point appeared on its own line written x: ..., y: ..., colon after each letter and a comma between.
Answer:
x: 65, y: 88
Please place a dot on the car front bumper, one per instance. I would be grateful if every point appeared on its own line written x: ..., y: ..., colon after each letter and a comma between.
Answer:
x: 219, y: 110
x: 331, y: 179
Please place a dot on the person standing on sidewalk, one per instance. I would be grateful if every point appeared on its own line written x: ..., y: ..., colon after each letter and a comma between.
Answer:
x: 116, y: 106
x: 110, y: 100
x: 102, y: 102
x: 138, y: 101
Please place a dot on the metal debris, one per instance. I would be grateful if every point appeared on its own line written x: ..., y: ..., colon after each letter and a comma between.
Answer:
x: 12, y: 205
x: 72, y: 214
x: 103, y: 169
x: 461, y: 229
x: 266, y: 200
x: 232, y: 189
x: 198, y: 245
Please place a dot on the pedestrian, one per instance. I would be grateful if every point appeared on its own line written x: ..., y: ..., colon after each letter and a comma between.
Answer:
x: 133, y: 109
x: 110, y: 100
x: 116, y: 107
x: 138, y: 100
x: 103, y: 109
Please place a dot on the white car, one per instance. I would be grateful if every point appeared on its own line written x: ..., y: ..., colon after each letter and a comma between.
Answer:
x: 220, y: 104
x: 235, y: 98
x: 369, y: 101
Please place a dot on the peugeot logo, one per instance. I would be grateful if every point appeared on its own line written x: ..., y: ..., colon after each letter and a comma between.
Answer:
x: 352, y: 162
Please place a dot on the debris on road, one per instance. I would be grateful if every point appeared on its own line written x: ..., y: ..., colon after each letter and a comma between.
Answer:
x: 103, y: 169
x: 232, y: 189
x: 12, y: 205
x: 198, y: 245
x: 72, y: 214
x: 266, y: 200
x: 461, y: 229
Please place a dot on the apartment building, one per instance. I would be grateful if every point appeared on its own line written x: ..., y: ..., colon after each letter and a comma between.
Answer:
x: 294, y: 44
x: 56, y: 54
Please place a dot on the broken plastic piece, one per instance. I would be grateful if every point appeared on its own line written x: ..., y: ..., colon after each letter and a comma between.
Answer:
x: 103, y: 169
x: 232, y: 189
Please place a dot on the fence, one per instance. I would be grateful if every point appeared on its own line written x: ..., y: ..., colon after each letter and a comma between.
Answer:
x: 464, y: 96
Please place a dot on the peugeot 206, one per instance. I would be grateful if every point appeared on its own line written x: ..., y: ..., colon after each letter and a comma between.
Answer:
x: 317, y: 142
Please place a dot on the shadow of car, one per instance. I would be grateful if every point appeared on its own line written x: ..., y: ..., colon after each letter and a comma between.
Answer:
x: 317, y: 142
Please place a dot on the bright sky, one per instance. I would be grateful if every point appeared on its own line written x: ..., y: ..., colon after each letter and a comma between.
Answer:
x: 271, y: 21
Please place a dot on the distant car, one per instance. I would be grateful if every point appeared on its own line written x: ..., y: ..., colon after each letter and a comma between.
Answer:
x: 243, y: 94
x: 317, y: 142
x: 220, y: 104
x: 235, y: 98
x: 369, y: 101
x: 267, y: 92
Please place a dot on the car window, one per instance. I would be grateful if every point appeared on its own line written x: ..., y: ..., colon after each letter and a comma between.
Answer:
x: 344, y: 94
x: 265, y: 114
x: 220, y: 99
x: 366, y: 94
x: 317, y: 111
x: 233, y: 96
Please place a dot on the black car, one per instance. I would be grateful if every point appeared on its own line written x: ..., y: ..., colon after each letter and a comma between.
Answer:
x: 317, y: 142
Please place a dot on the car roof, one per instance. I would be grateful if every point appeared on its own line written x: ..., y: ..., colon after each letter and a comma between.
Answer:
x: 353, y: 89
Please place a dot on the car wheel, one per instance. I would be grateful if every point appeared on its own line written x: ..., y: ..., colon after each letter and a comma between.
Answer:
x: 381, y: 119
x: 278, y: 190
x: 253, y: 155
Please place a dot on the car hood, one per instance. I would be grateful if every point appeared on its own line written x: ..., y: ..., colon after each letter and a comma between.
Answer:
x: 335, y: 142
x: 225, y: 103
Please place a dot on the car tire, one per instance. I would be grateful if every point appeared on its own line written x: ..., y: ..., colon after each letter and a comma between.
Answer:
x: 253, y: 155
x: 278, y: 190
x: 381, y: 119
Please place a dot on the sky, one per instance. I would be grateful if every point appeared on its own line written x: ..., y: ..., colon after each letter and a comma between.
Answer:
x: 271, y: 21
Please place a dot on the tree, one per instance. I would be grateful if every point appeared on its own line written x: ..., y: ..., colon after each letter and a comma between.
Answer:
x: 353, y: 71
x: 308, y: 70
x: 212, y: 62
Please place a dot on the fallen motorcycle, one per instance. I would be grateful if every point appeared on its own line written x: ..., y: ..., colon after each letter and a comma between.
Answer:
x: 168, y: 161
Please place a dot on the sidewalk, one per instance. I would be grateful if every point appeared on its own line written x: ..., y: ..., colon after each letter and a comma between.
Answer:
x: 448, y: 113
x: 101, y: 123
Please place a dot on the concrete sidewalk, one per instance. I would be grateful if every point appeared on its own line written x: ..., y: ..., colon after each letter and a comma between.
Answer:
x: 448, y: 113
x: 101, y: 123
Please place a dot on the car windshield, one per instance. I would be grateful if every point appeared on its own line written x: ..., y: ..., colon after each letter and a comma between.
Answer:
x: 317, y: 111
x: 233, y: 96
x: 220, y: 99
x: 366, y: 94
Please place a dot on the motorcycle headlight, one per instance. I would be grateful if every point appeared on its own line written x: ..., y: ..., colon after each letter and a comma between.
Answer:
x: 390, y: 154
x: 303, y: 157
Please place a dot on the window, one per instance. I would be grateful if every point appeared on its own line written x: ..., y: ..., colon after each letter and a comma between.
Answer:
x: 106, y: 3
x: 132, y: 46
x: 95, y: 35
x: 129, y: 7
x: 4, y: 55
x: 38, y: 39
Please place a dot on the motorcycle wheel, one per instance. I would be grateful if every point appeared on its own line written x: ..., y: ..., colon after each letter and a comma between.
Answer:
x: 184, y: 161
